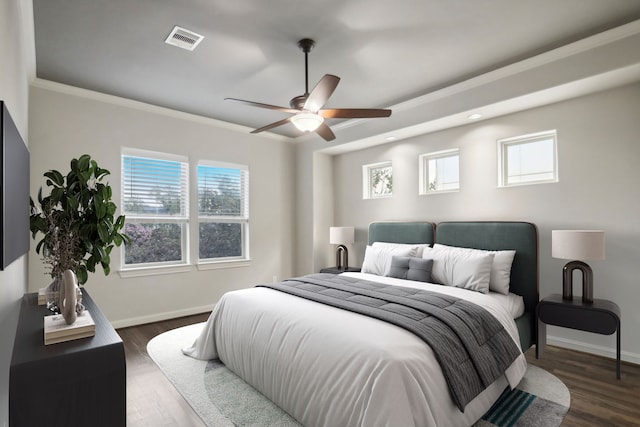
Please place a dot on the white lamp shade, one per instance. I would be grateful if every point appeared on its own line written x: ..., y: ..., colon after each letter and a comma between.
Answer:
x: 307, y: 122
x: 341, y: 235
x: 579, y: 245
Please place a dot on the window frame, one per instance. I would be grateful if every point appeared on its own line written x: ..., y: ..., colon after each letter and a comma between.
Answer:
x: 244, y: 218
x: 367, y: 184
x: 424, y: 169
x: 503, y: 161
x: 134, y: 270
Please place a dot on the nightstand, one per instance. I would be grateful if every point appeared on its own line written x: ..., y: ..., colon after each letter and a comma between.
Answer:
x: 336, y: 270
x: 600, y: 317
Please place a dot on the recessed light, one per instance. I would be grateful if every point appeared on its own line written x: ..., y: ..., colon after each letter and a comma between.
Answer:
x: 474, y: 116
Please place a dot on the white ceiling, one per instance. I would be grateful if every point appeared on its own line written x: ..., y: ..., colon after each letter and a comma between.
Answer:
x: 432, y: 61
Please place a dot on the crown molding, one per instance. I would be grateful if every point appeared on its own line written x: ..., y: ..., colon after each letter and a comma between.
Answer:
x: 150, y: 108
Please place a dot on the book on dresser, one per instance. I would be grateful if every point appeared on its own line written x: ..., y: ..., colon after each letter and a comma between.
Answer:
x: 56, y: 329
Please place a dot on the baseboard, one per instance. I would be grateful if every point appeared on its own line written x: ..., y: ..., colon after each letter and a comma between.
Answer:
x: 593, y: 349
x: 158, y: 317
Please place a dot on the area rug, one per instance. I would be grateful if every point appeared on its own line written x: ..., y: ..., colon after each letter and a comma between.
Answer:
x: 222, y: 399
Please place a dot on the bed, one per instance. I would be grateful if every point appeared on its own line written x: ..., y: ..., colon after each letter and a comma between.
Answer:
x: 327, y: 366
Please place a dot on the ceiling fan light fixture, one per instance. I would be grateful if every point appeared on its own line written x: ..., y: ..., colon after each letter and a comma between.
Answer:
x: 307, y: 122
x: 307, y: 109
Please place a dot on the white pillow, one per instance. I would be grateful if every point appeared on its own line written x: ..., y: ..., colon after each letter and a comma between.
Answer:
x: 377, y: 259
x: 500, y: 269
x: 417, y: 248
x: 459, y: 268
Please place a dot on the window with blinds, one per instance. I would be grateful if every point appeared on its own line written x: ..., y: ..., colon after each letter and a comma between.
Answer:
x: 155, y: 201
x: 223, y: 211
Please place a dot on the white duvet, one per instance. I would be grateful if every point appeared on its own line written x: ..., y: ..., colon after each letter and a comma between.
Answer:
x: 330, y: 367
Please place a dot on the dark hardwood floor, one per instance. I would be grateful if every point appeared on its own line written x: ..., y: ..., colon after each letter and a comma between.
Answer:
x: 152, y: 401
x: 597, y: 398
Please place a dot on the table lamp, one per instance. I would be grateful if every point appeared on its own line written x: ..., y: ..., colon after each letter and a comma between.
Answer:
x: 580, y: 246
x: 341, y: 236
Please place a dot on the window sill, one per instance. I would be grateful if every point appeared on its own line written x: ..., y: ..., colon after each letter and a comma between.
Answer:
x: 522, y: 184
x: 215, y: 265
x: 386, y: 196
x: 152, y: 271
x: 171, y: 269
x: 434, y: 192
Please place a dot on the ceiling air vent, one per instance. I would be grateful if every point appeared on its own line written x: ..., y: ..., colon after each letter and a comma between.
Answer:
x: 183, y: 38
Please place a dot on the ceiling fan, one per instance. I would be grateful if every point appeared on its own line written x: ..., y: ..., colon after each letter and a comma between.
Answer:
x: 307, y: 112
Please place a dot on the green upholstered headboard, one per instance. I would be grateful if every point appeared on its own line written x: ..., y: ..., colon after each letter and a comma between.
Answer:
x: 489, y: 235
x: 418, y: 232
x: 519, y: 236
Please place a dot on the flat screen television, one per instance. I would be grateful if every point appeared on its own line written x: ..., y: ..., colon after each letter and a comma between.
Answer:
x: 14, y: 191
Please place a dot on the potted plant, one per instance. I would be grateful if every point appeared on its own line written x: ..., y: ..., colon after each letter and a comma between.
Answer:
x: 77, y: 221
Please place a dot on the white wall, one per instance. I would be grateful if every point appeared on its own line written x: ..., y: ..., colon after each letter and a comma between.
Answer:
x: 16, y: 68
x: 599, y: 148
x: 313, y: 205
x: 68, y: 122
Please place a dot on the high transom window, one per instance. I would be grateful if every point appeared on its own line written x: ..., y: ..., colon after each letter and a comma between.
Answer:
x: 377, y: 180
x: 440, y: 172
x: 528, y: 159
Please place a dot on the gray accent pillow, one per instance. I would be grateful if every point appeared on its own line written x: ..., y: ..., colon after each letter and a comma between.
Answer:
x: 409, y: 268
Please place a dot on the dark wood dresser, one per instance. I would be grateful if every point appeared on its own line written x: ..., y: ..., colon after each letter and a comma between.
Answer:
x: 74, y: 383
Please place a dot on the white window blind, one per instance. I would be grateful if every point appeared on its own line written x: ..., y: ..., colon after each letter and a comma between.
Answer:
x: 155, y: 187
x: 223, y: 190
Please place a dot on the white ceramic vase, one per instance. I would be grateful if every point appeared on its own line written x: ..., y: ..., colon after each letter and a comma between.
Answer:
x: 69, y: 297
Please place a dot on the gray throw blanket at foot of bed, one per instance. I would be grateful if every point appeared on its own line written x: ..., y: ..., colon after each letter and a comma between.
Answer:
x: 471, y: 346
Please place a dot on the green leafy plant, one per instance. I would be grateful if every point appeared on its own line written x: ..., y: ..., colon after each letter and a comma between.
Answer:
x: 77, y: 220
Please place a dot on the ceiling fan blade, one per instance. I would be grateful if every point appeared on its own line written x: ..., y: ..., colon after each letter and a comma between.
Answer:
x: 272, y: 125
x: 321, y: 93
x: 261, y: 105
x: 353, y: 113
x: 325, y: 132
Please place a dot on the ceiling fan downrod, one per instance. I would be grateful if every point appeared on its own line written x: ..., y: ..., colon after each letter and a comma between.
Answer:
x: 306, y: 45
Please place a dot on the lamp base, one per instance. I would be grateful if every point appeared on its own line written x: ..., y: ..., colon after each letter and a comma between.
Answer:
x: 587, y: 281
x: 341, y: 253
